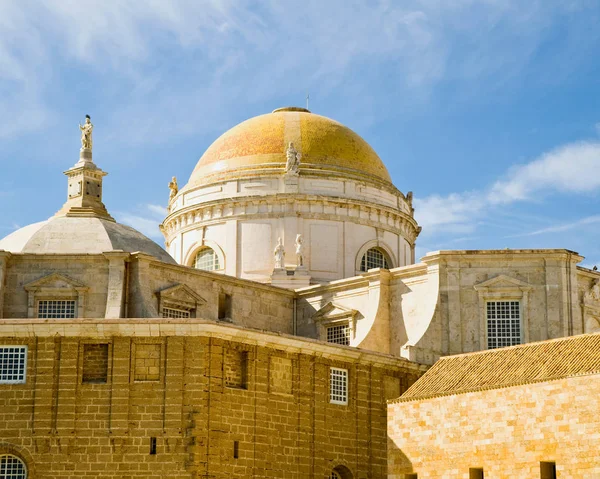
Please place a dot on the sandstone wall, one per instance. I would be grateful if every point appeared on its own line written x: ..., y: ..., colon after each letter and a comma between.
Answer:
x: 507, y: 432
x: 168, y: 380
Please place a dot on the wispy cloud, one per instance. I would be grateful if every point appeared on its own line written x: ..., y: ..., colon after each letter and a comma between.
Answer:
x: 572, y: 168
x: 561, y: 227
x: 146, y: 220
x: 187, y: 55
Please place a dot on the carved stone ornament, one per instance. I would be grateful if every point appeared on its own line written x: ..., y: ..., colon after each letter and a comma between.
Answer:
x: 173, y: 188
x: 86, y: 133
x: 293, y: 160
x: 593, y: 295
x: 299, y: 250
x: 279, y: 254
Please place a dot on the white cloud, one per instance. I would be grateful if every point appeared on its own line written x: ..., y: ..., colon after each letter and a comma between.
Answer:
x: 220, y: 52
x: 572, y: 168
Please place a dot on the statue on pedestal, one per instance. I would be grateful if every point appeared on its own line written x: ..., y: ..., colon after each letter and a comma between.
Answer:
x: 279, y: 253
x: 174, y: 189
x: 299, y: 250
x: 293, y: 160
x: 86, y: 133
x: 594, y: 293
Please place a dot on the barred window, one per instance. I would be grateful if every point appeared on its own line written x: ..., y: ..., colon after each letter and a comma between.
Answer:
x: 207, y: 260
x: 11, y: 467
x: 374, y: 258
x: 13, y: 364
x: 54, y: 309
x: 338, y: 386
x: 339, y: 334
x: 334, y: 475
x: 503, y: 323
x: 175, y: 313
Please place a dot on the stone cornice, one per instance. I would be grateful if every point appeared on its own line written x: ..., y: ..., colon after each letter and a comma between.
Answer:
x: 161, y: 327
x: 274, y: 206
x: 492, y: 255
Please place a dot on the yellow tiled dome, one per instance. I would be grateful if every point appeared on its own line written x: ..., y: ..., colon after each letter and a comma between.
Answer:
x: 260, y: 143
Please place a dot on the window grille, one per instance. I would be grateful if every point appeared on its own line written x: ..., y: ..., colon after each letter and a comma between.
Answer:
x: 373, y: 258
x: 13, y: 365
x: 334, y: 475
x: 175, y: 313
x: 12, y: 467
x: 54, y: 309
x: 339, y: 334
x: 503, y: 323
x: 207, y: 260
x: 338, y: 386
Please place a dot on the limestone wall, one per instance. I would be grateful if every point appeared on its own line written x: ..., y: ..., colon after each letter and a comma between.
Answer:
x: 174, y: 381
x: 254, y: 305
x: 507, y: 432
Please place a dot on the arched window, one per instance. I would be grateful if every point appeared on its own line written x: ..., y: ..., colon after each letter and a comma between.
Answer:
x: 374, y: 258
x: 11, y: 467
x: 340, y: 472
x: 334, y: 475
x: 207, y: 260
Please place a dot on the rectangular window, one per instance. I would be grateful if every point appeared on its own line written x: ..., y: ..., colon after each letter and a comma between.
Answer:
x: 236, y: 449
x: 339, y: 334
x: 175, y: 313
x: 152, y: 446
x: 412, y: 475
x: 224, y: 306
x: 338, y: 386
x: 547, y: 470
x: 13, y: 364
x: 476, y: 473
x: 503, y: 323
x: 55, y: 309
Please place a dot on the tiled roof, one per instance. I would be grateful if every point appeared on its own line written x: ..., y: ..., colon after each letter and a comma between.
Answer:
x: 497, y: 368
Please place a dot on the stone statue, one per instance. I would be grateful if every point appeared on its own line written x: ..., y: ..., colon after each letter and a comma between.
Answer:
x: 594, y: 293
x: 86, y: 133
x: 279, y: 253
x: 299, y: 250
x: 293, y: 160
x: 409, y: 198
x: 174, y: 188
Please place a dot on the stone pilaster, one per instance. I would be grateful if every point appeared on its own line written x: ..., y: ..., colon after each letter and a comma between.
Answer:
x: 115, y: 297
x: 4, y: 257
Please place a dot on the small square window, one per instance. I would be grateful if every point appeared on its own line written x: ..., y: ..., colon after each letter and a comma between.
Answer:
x: 175, y: 313
x: 13, y: 364
x: 339, y: 334
x: 338, y: 386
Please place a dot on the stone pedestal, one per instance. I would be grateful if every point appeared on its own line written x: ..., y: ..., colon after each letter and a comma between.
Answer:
x: 290, y: 278
x: 290, y: 183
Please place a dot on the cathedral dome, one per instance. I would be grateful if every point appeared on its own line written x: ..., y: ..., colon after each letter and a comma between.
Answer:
x: 260, y: 143
x: 80, y: 235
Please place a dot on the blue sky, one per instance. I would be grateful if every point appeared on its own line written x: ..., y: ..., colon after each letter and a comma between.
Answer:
x: 488, y: 110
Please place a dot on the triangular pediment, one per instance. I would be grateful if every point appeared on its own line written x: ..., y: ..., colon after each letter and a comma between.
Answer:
x: 181, y: 293
x: 332, y: 311
x: 55, y: 281
x: 502, y: 282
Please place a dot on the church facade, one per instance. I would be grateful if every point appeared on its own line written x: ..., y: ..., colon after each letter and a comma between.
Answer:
x: 265, y: 341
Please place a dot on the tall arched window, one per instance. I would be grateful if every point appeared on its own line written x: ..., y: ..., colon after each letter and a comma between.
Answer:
x: 374, y: 258
x: 207, y: 260
x: 11, y: 467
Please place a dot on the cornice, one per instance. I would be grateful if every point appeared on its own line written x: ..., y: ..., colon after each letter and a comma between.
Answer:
x: 274, y: 206
x: 161, y: 327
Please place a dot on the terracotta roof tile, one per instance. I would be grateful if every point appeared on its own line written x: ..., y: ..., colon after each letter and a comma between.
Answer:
x: 497, y: 368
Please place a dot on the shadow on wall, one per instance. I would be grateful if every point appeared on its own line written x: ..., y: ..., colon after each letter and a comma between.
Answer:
x: 398, y: 463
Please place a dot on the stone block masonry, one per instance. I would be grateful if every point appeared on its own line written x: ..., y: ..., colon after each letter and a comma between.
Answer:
x: 219, y: 401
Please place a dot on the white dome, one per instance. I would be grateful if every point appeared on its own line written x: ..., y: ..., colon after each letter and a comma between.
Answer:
x: 80, y: 235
